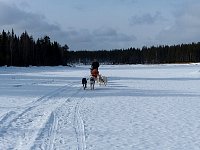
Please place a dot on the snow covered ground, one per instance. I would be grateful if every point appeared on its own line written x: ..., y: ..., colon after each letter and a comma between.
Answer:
x: 143, y: 107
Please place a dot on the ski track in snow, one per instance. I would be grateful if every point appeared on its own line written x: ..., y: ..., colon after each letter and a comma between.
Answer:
x: 57, y: 123
x: 25, y: 119
x: 46, y: 136
x: 79, y: 127
x: 16, y: 113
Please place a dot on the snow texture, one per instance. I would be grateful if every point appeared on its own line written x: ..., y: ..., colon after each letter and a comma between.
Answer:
x: 142, y: 107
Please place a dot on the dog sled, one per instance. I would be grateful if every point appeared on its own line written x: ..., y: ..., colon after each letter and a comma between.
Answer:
x: 94, y: 73
x: 102, y: 80
x: 94, y: 77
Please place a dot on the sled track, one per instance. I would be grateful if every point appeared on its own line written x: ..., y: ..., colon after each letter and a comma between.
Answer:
x: 47, y: 134
x: 50, y: 95
x: 79, y: 126
x: 58, y: 122
x: 11, y: 116
x: 10, y: 120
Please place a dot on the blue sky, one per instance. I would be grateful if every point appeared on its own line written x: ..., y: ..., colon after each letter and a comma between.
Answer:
x: 104, y: 24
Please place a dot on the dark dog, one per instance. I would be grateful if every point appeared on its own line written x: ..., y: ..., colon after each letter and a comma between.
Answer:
x: 84, y: 82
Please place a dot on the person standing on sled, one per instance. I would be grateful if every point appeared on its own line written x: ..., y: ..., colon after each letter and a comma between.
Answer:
x: 94, y: 68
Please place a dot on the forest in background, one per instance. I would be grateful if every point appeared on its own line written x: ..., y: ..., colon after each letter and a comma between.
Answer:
x: 23, y: 50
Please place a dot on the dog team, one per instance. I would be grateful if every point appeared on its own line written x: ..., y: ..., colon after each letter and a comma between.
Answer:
x: 100, y: 79
x: 92, y: 82
x: 95, y: 76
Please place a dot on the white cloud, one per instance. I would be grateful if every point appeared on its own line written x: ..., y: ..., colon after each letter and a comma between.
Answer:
x: 186, y: 26
x: 101, y: 38
x: 34, y: 24
x: 146, y: 18
x: 38, y: 26
x: 103, y: 24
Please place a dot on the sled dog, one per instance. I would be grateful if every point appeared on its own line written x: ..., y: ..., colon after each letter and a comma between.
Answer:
x: 102, y: 80
x: 92, y: 82
x: 84, y: 82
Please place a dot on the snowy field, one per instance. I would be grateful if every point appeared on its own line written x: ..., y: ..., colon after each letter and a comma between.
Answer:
x: 143, y: 107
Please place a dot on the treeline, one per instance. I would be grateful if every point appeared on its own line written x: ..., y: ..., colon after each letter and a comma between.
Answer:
x: 25, y: 51
x: 184, y: 53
